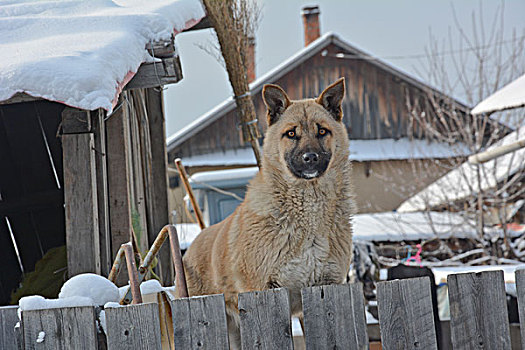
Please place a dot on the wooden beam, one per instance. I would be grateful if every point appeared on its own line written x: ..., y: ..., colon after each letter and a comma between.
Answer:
x: 75, y: 121
x: 156, y: 74
x: 19, y: 97
x: 157, y: 180
x: 161, y: 49
x: 117, y: 136
x: 81, y: 207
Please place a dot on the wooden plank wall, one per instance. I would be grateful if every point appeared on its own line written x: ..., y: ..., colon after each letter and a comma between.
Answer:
x: 334, y: 318
x: 374, y: 104
x: 80, y: 193
x: 8, y: 320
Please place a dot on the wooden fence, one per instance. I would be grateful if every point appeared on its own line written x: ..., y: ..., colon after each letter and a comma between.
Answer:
x: 334, y: 318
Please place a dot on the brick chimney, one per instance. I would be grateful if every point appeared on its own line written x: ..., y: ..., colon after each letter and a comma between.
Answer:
x: 311, y: 24
x: 250, y: 59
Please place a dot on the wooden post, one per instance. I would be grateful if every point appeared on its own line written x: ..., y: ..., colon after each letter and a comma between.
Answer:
x: 65, y: 328
x: 157, y: 179
x: 334, y: 317
x: 520, y: 289
x: 266, y: 320
x: 133, y: 327
x: 200, y: 323
x: 8, y: 319
x: 80, y: 193
x: 99, y: 127
x: 405, y: 314
x: 478, y: 311
x: 189, y: 191
x: 117, y: 136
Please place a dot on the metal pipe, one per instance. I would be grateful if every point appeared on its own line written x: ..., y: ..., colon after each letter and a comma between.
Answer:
x: 115, y: 269
x: 496, y: 152
x: 132, y: 273
x: 180, y: 276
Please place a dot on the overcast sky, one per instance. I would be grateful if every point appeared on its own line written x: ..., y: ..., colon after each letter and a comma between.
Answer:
x: 383, y: 28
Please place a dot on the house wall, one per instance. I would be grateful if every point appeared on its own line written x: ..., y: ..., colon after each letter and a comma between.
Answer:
x: 379, y: 185
x: 374, y: 104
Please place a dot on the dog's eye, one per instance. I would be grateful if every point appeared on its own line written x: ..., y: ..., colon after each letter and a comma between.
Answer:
x: 291, y: 134
x: 322, y: 132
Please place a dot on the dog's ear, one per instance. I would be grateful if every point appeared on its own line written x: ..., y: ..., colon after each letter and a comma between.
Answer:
x: 276, y: 101
x: 332, y: 97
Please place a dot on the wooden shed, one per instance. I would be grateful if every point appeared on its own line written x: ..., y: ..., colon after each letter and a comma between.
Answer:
x: 85, y: 178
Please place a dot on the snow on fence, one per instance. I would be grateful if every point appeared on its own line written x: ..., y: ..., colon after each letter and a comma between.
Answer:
x: 334, y: 317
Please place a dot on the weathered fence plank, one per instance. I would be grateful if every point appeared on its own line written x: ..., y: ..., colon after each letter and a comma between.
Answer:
x: 478, y: 311
x: 8, y: 319
x: 133, y: 327
x: 405, y: 314
x: 334, y: 317
x: 56, y: 329
x: 200, y: 322
x: 266, y: 320
x: 520, y: 289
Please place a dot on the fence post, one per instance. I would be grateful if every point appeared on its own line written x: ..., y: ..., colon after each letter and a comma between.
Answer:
x: 520, y: 289
x: 334, y: 317
x: 406, y: 318
x: 64, y: 328
x: 8, y: 319
x: 200, y: 322
x: 478, y: 311
x: 133, y: 327
x: 266, y: 320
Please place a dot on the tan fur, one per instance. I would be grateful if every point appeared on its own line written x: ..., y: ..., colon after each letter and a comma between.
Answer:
x: 289, y: 232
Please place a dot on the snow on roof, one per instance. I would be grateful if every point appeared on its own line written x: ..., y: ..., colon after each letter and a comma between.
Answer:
x: 81, y: 53
x: 387, y: 226
x: 229, y: 174
x: 510, y: 96
x: 360, y: 150
x: 394, y: 227
x: 280, y: 70
x: 462, y: 181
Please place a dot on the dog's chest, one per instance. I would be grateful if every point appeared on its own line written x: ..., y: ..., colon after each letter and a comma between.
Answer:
x: 308, y: 266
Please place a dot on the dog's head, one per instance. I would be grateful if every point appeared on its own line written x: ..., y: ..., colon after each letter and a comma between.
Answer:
x: 305, y: 136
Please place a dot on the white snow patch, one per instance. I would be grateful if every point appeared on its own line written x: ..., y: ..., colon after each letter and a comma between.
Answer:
x: 151, y: 287
x: 37, y: 302
x: 112, y: 305
x: 41, y: 337
x: 511, y: 95
x: 102, y: 319
x: 81, y: 53
x: 187, y: 233
x: 97, y: 288
x: 462, y: 181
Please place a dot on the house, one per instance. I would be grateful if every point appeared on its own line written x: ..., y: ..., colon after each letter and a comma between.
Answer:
x: 392, y: 157
x: 82, y: 130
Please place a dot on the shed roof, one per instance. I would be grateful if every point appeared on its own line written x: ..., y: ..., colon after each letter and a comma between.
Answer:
x: 285, y: 67
x: 82, y: 53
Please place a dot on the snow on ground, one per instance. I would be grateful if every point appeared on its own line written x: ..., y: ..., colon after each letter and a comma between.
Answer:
x: 511, y: 95
x: 463, y: 182
x: 82, y: 53
x: 89, y: 285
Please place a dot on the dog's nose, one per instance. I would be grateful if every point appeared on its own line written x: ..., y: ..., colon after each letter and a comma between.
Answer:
x: 310, y: 158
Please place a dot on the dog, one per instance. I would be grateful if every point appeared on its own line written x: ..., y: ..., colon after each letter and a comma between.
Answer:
x: 293, y: 228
